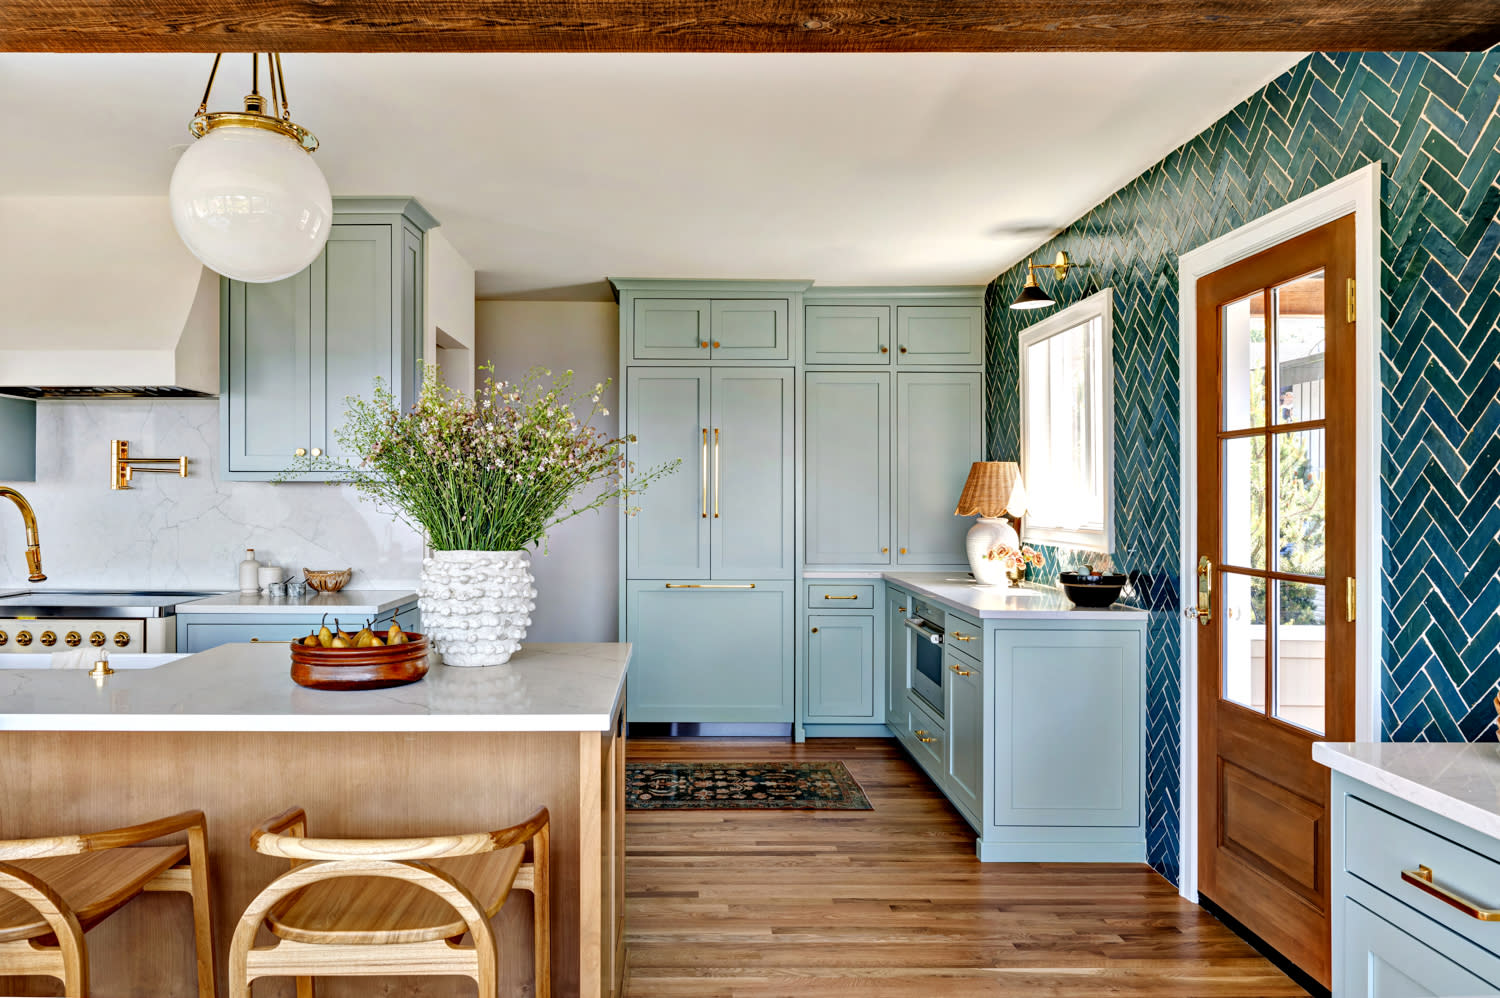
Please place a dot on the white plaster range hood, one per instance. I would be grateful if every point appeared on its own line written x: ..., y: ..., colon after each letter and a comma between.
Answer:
x: 100, y: 299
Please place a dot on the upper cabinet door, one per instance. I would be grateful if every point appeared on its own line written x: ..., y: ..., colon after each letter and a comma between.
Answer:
x: 848, y: 334
x: 353, y: 309
x: 671, y: 329
x: 267, y: 358
x: 668, y: 414
x: 753, y: 457
x: 18, y: 430
x: 939, y: 334
x: 750, y: 329
x: 848, y: 468
x: 939, y: 434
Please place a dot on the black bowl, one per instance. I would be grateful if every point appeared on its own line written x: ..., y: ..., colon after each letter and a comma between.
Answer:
x: 1094, y: 592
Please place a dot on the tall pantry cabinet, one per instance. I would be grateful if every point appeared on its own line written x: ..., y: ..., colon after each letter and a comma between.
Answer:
x: 818, y: 431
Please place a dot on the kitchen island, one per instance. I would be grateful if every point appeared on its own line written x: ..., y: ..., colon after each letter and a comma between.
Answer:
x: 226, y: 731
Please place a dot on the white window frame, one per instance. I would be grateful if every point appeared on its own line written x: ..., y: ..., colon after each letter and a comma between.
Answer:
x: 1096, y: 306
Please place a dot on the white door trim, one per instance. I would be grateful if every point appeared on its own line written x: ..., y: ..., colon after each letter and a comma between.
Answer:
x: 1359, y: 193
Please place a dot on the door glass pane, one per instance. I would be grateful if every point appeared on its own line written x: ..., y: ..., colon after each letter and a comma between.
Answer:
x: 1243, y: 604
x: 1244, y: 332
x: 1300, y: 630
x: 1300, y: 486
x: 1299, y: 349
x: 1245, y: 502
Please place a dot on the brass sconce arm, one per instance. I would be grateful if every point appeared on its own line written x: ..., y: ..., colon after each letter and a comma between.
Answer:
x: 125, y: 467
x: 1060, y: 265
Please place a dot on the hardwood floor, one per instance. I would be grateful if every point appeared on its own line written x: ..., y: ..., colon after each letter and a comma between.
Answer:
x: 891, y: 903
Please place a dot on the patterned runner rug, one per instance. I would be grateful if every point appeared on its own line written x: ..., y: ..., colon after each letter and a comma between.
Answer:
x: 755, y: 786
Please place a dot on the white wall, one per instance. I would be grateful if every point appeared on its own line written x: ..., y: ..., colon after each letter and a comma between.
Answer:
x: 449, y: 301
x: 578, y: 579
x: 168, y: 532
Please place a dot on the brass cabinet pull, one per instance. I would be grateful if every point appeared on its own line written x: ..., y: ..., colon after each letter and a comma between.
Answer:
x: 704, y: 469
x: 901, y: 608
x: 716, y: 472
x: 828, y: 596
x: 926, y: 739
x: 961, y: 636
x: 961, y: 672
x: 919, y: 732
x: 709, y: 585
x: 1205, y: 590
x: 1421, y: 879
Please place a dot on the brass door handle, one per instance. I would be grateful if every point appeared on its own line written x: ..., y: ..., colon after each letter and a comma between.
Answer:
x: 961, y: 636
x: 1205, y: 591
x: 961, y: 672
x: 827, y: 596
x: 703, y: 468
x: 1421, y: 879
x: 716, y: 472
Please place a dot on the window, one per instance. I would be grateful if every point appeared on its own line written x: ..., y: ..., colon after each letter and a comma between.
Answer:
x: 1067, y: 426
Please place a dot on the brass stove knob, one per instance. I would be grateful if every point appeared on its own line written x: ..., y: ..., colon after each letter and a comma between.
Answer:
x: 97, y: 639
x: 73, y: 639
x: 121, y: 639
x: 23, y: 638
x: 3, y: 638
x: 49, y: 638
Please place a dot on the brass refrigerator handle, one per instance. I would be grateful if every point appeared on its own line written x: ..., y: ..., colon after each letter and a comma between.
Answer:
x: 704, y: 468
x: 1421, y: 879
x: 716, y: 472
x: 709, y: 585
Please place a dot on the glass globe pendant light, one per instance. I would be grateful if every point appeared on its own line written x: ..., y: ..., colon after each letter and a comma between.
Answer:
x: 246, y: 197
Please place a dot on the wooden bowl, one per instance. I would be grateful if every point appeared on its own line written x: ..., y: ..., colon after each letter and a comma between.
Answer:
x: 360, y: 668
x: 328, y: 581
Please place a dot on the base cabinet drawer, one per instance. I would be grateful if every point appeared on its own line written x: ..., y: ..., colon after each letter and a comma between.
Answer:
x: 927, y: 739
x: 1383, y: 959
x: 964, y: 760
x: 200, y: 632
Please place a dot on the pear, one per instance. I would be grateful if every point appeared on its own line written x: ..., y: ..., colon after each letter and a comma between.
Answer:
x: 364, y: 638
x: 395, y: 636
x: 311, y: 641
x: 375, y: 641
x: 338, y: 641
x: 325, y: 636
x: 348, y: 637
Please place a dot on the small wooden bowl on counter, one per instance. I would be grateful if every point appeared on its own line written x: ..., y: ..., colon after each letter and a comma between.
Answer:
x: 328, y: 580
x: 371, y: 668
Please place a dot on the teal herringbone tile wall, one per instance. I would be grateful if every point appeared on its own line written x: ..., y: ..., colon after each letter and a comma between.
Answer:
x: 1431, y: 120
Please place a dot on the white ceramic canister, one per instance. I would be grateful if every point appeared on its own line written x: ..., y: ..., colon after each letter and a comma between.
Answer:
x: 249, y: 573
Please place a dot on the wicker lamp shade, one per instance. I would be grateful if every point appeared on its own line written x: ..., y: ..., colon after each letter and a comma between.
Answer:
x: 994, y: 488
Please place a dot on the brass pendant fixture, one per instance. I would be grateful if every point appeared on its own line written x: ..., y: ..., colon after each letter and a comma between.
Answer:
x: 254, y: 115
x: 1032, y: 295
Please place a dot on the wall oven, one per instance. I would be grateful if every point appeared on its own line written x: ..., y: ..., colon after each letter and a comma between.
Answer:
x: 927, y: 671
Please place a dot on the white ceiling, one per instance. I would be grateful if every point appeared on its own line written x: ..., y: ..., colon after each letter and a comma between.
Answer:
x: 552, y: 172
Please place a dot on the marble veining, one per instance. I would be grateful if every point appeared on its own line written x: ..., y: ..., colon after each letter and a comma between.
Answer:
x: 1457, y: 780
x: 171, y: 533
x: 366, y: 601
x: 248, y: 687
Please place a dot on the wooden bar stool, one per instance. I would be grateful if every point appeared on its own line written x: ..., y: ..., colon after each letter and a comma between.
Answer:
x: 53, y: 890
x: 374, y: 907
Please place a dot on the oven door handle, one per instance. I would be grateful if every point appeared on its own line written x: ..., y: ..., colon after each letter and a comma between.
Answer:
x: 922, y: 628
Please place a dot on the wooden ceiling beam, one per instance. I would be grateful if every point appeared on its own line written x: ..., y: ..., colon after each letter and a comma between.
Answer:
x: 746, y: 25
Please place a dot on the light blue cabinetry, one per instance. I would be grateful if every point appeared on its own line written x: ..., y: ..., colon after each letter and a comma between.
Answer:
x: 293, y: 350
x: 1392, y: 938
x: 939, y: 335
x: 200, y: 631
x: 719, y: 653
x: 671, y: 329
x: 668, y: 415
x: 898, y: 646
x: 17, y: 440
x: 841, y: 667
x: 939, y: 434
x: 963, y: 712
x: 702, y: 329
x: 753, y: 457
x: 750, y: 329
x: 848, y: 476
x: 848, y: 334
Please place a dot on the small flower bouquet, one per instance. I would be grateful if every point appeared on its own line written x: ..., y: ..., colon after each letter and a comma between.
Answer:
x: 1015, y: 560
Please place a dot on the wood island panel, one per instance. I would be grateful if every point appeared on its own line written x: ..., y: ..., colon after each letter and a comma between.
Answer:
x: 378, y: 784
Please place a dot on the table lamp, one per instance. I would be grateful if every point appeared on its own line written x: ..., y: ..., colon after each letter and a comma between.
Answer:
x: 994, y: 491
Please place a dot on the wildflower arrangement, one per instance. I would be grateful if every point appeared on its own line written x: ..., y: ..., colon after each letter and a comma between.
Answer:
x: 493, y: 472
x: 1014, y: 560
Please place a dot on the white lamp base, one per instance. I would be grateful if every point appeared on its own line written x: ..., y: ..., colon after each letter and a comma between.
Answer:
x: 985, y: 535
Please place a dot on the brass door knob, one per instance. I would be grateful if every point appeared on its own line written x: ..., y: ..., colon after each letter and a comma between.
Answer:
x: 97, y: 639
x: 74, y: 639
x: 300, y: 452
x: 49, y: 638
x: 121, y: 639
x: 23, y: 638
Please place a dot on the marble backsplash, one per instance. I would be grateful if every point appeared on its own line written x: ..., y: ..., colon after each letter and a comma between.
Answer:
x: 168, y: 532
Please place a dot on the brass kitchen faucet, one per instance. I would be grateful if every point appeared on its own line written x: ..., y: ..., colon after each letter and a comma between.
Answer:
x: 33, y: 545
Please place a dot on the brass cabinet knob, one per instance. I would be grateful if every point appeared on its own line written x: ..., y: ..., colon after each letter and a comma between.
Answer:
x: 903, y: 349
x: 716, y: 344
x: 49, y: 638
x: 703, y: 344
x: 97, y: 639
x: 121, y: 639
x: 885, y: 550
x: 317, y: 452
x: 815, y: 630
x: 885, y: 349
x: 4, y: 638
x: 23, y: 638
x: 74, y: 639
x: 300, y: 452
x: 903, y: 550
x: 961, y: 672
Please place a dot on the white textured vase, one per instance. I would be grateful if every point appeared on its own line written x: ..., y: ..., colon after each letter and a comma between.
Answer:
x: 476, y: 605
x: 987, y: 532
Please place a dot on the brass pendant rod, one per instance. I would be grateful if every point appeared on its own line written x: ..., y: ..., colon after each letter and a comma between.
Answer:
x: 286, y: 111
x: 271, y: 72
x: 203, y: 106
x: 255, y: 72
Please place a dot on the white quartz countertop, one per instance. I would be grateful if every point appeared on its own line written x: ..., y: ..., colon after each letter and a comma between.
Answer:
x: 1458, y: 780
x: 957, y: 591
x: 369, y: 602
x: 248, y: 687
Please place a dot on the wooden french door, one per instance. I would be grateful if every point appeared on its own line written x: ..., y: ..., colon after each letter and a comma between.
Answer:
x: 1275, y: 585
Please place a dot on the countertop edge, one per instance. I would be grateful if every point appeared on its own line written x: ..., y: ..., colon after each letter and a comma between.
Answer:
x: 271, y: 606
x: 1407, y: 789
x: 1116, y: 612
x: 327, y: 724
